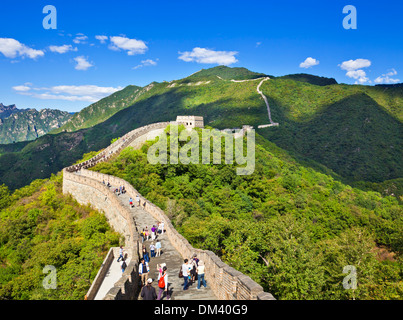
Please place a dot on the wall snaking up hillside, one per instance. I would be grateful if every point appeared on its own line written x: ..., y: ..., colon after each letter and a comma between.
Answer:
x: 87, y: 187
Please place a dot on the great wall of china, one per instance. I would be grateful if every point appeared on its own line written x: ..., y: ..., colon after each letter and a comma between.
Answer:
x: 88, y: 187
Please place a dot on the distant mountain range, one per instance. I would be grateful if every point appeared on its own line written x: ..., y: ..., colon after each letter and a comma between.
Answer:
x: 353, y: 132
x: 18, y: 125
x: 6, y: 111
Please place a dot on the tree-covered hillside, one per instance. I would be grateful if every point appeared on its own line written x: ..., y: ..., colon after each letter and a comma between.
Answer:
x: 39, y: 227
x: 354, y: 130
x: 101, y: 110
x: 290, y: 228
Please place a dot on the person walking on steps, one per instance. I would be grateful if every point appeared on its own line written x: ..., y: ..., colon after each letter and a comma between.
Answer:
x: 148, y: 292
x: 123, y: 265
x: 200, y: 275
x: 120, y: 253
x: 185, y: 274
x: 144, y: 269
x: 152, y: 250
x: 158, y: 247
x: 163, y: 284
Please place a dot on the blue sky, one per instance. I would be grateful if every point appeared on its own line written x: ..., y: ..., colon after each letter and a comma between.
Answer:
x: 144, y: 41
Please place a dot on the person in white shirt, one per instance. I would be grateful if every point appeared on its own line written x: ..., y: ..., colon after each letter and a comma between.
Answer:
x: 158, y: 247
x: 120, y: 253
x: 185, y: 274
x: 152, y: 250
x: 200, y: 275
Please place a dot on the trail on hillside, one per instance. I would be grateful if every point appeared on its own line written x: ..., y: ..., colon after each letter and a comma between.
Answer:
x: 272, y: 123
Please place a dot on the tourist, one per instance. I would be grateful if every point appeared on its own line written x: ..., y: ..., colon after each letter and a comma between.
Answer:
x: 146, y: 233
x: 144, y: 269
x: 152, y: 250
x: 163, y: 284
x: 159, y: 228
x: 123, y: 265
x: 185, y: 274
x: 131, y: 202
x: 120, y: 253
x: 162, y: 226
x: 158, y: 247
x: 148, y: 292
x: 200, y: 275
x: 138, y: 200
x: 194, y: 263
x: 146, y: 255
x: 153, y: 229
x: 159, y: 269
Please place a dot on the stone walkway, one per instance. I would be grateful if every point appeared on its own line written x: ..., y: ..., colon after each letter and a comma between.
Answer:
x: 113, y: 275
x: 169, y: 256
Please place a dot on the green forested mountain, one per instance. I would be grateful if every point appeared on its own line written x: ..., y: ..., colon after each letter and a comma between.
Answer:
x: 356, y: 131
x: 26, y: 125
x: 319, y: 81
x: 101, y: 110
x: 289, y: 227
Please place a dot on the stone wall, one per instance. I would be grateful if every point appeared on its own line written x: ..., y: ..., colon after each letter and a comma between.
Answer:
x: 87, y: 187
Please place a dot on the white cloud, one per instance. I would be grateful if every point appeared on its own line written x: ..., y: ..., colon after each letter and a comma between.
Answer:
x: 258, y: 44
x: 22, y: 88
x: 146, y: 63
x: 80, y: 38
x: 351, y: 65
x: 203, y: 55
x: 385, y: 78
x: 102, y: 39
x: 12, y: 48
x: 62, y: 49
x: 309, y: 62
x: 82, y: 63
x: 132, y: 46
x: 359, y: 75
x: 89, y: 93
x: 353, y: 68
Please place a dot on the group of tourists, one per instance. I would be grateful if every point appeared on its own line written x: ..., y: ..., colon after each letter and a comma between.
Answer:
x: 152, y: 234
x: 120, y: 190
x: 137, y: 201
x: 192, y: 269
x: 148, y: 292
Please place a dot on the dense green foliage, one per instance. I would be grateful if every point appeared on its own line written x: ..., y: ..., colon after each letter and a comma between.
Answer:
x: 316, y: 80
x: 288, y: 227
x: 39, y: 226
x: 225, y: 73
x: 356, y: 131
